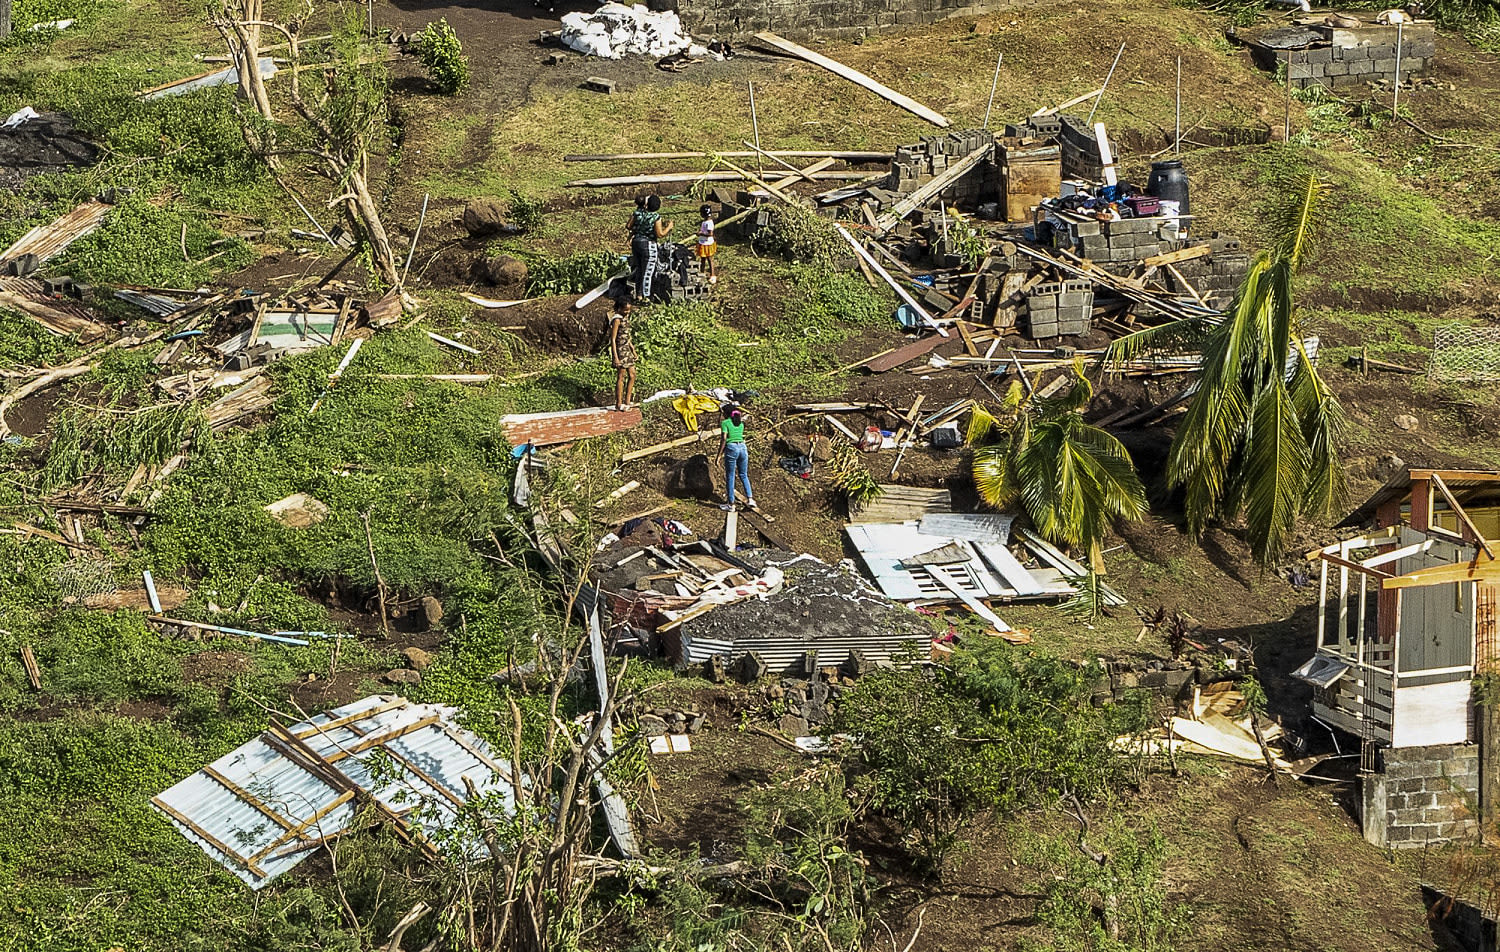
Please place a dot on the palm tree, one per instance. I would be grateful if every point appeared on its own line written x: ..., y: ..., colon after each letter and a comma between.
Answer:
x: 1261, y: 431
x: 1071, y: 478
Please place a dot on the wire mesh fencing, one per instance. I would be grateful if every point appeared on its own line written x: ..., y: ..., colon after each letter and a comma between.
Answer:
x: 1466, y: 353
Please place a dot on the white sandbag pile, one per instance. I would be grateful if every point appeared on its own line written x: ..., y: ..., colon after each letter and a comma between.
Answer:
x: 615, y: 29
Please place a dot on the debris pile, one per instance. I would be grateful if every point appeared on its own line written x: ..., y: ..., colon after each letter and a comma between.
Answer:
x: 1344, y: 49
x: 616, y: 30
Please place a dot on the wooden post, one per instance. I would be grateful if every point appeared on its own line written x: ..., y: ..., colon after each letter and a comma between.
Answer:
x: 755, y: 127
x: 1100, y: 97
x: 1396, y: 86
x: 1177, y: 135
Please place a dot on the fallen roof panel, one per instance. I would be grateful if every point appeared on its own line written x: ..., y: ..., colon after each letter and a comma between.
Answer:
x: 258, y: 812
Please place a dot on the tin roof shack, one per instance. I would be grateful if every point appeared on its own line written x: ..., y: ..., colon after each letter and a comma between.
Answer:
x: 1408, y: 618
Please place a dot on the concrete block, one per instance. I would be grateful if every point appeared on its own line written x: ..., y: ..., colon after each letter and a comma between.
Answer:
x: 1384, y: 67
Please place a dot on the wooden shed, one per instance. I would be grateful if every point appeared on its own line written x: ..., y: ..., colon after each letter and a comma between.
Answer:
x: 1408, y: 610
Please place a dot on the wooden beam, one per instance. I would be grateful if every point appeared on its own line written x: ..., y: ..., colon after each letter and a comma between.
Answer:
x: 698, y: 437
x: 807, y: 173
x: 1049, y: 110
x: 33, y: 673
x: 855, y: 156
x: 1468, y: 475
x: 1180, y: 255
x: 885, y: 275
x: 1369, y: 539
x: 854, y: 76
x: 752, y: 177
x: 1481, y: 569
x: 352, y: 718
x: 668, y: 178
x: 1462, y: 515
x: 1356, y: 566
x: 296, y: 831
x: 245, y: 795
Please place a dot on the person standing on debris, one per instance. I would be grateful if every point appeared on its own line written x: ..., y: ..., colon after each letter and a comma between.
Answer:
x: 707, y: 246
x: 646, y: 229
x: 736, y: 456
x: 622, y: 349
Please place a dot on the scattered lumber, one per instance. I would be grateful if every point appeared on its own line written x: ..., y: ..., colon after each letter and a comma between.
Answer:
x: 33, y: 673
x: 48, y: 241
x: 58, y: 318
x: 474, y: 379
x: 1050, y: 110
x: 262, y: 636
x: 565, y: 426
x: 780, y: 153
x: 853, y: 75
x: 885, y: 276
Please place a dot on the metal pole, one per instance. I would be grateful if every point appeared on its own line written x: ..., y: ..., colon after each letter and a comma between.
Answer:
x: 1286, y: 136
x: 1396, y: 96
x: 1100, y: 98
x: 993, y: 84
x: 417, y: 234
x: 755, y: 125
x: 1177, y: 137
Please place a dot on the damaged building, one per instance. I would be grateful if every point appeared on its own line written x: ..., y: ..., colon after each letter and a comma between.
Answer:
x: 1407, y: 621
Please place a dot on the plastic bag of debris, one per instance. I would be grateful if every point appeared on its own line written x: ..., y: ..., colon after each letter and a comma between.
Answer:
x: 615, y: 29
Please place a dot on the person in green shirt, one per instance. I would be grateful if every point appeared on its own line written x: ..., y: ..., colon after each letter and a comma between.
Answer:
x: 736, y: 456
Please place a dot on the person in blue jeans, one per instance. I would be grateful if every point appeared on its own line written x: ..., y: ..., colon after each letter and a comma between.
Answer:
x: 736, y: 456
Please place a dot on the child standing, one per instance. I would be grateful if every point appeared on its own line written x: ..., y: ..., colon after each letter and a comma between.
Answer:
x: 707, y: 247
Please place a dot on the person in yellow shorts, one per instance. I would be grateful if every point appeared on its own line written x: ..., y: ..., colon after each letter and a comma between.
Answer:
x: 707, y: 247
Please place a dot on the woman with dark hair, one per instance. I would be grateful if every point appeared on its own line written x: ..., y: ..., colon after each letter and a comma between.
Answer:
x: 736, y: 456
x: 646, y: 229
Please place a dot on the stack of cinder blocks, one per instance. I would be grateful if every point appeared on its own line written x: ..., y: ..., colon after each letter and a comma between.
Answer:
x: 1129, y: 239
x: 1216, y: 277
x: 1361, y: 54
x: 915, y: 165
x: 1080, y: 150
x: 1060, y: 309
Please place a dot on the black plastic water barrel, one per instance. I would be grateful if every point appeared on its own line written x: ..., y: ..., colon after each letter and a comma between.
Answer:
x: 1169, y: 182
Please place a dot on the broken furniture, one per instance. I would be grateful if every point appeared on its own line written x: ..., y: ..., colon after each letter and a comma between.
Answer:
x: 1409, y: 615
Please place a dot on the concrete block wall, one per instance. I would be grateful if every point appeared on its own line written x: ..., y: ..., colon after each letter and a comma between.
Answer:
x: 1361, y: 55
x: 1421, y: 796
x: 824, y: 19
x: 1080, y: 150
x: 1129, y: 239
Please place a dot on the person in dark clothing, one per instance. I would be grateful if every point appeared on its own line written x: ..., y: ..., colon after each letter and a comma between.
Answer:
x: 647, y: 228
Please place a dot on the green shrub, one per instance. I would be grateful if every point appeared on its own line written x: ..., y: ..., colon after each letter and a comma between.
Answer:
x: 443, y: 56
x: 574, y: 274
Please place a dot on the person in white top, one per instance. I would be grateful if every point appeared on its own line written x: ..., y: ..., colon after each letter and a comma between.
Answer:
x: 707, y: 247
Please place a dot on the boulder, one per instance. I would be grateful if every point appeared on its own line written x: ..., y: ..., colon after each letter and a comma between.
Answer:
x: 484, y: 218
x: 652, y: 726
x: 416, y: 658
x: 298, y: 511
x: 792, y: 726
x: 1407, y: 422
x: 402, y: 676
x: 432, y: 611
x: 503, y: 271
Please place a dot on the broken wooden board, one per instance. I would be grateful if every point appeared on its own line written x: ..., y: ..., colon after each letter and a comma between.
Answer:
x: 854, y: 76
x: 565, y: 426
x: 901, y: 355
x: 903, y: 503
x: 62, y: 317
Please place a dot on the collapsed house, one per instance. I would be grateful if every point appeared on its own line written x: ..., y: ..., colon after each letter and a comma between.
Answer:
x: 266, y: 806
x: 1408, y: 617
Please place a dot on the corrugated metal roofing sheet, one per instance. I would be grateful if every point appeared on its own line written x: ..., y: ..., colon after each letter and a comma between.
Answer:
x: 884, y: 545
x: 257, y: 812
x: 1399, y: 487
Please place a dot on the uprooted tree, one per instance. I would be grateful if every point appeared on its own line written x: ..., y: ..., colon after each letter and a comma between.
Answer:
x: 334, y: 126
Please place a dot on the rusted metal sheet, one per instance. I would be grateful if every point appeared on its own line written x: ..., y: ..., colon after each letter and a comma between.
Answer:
x: 49, y: 241
x: 58, y: 315
x: 547, y: 429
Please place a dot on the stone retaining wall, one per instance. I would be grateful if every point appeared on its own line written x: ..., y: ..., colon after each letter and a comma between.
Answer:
x: 824, y: 19
x: 1421, y: 796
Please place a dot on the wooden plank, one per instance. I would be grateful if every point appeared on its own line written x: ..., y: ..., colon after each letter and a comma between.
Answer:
x: 901, y: 355
x: 427, y: 778
x: 885, y: 275
x: 1070, y: 103
x: 1483, y: 569
x: 855, y: 156
x: 352, y: 718
x: 764, y: 528
x: 808, y: 173
x: 1180, y: 255
x: 854, y: 76
x: 546, y: 429
x: 731, y: 529
x: 33, y: 673
x: 752, y: 177
x: 668, y: 178
x: 968, y: 339
x: 296, y: 831
x: 1356, y: 567
x: 208, y: 837
x: 698, y: 437
x: 1462, y: 515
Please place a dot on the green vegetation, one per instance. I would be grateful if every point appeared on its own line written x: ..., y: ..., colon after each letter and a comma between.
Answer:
x: 1072, y: 478
x: 443, y: 56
